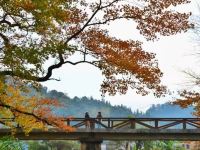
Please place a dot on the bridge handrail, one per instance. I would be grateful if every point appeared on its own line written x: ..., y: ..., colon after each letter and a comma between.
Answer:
x: 116, y: 122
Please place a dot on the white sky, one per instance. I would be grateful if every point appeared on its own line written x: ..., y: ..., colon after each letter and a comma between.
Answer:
x: 174, y: 54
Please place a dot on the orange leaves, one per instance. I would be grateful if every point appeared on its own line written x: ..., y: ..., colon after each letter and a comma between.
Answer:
x: 165, y: 24
x: 75, y: 16
x: 132, y: 12
x: 123, y: 63
x: 189, y: 99
x: 28, y: 112
x: 46, y: 102
x: 165, y: 4
x: 28, y: 5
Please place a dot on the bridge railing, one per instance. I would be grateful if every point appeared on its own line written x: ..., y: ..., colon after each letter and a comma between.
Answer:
x: 132, y: 123
x: 136, y: 123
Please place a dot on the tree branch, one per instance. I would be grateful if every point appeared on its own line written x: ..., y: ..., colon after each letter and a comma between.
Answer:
x: 16, y: 24
x: 26, y: 113
x: 110, y: 4
x: 86, y: 24
x: 10, y: 24
x: 106, y: 21
x: 84, y: 52
x: 50, y: 69
x: 1, y: 122
x: 79, y: 62
x: 5, y: 39
x: 6, y: 72
x: 99, y: 7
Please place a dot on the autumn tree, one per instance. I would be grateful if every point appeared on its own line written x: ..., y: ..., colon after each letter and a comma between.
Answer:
x: 32, y: 32
x: 18, y: 109
x: 186, y: 96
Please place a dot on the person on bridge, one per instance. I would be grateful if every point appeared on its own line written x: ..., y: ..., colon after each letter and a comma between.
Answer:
x: 99, y: 119
x: 87, y: 120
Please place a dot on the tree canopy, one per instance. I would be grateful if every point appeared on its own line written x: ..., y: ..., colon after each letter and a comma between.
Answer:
x: 32, y: 32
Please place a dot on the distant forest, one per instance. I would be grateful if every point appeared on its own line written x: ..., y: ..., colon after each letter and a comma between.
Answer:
x: 78, y: 106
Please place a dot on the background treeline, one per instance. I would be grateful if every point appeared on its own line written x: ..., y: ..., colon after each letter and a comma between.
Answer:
x: 78, y: 106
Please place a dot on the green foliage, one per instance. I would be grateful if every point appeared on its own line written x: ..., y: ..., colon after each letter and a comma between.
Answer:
x: 145, y: 145
x: 33, y: 145
x: 11, y: 143
x: 53, y: 145
x: 31, y: 42
x: 163, y: 145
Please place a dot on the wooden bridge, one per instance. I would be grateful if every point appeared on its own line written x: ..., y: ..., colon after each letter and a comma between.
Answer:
x: 118, y: 129
x: 121, y: 129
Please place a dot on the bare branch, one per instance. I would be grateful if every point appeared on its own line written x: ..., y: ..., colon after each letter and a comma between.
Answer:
x: 84, y: 55
x: 54, y: 79
x: 81, y: 51
x: 79, y: 62
x: 194, y: 76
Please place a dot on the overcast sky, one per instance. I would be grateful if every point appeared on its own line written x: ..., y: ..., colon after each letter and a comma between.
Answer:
x: 174, y: 53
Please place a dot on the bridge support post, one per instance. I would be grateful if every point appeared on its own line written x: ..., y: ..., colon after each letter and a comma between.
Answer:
x: 91, y: 144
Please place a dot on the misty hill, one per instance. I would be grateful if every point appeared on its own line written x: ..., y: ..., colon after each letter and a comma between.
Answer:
x: 168, y: 110
x: 78, y: 106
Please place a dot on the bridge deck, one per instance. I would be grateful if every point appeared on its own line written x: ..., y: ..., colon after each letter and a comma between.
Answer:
x: 109, y: 134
